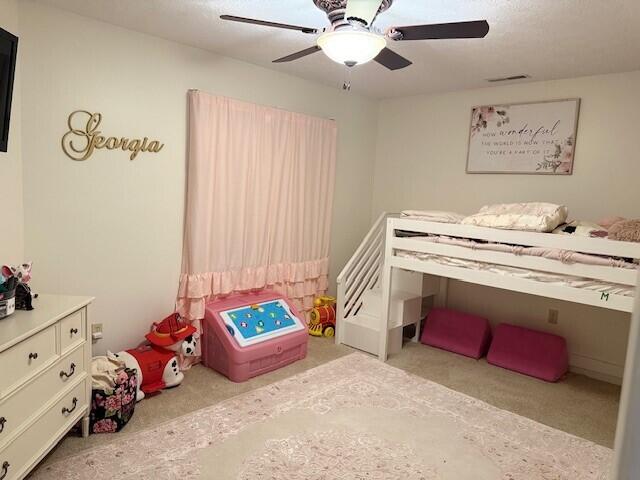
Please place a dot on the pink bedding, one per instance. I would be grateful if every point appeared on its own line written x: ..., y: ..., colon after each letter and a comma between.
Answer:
x: 563, y: 256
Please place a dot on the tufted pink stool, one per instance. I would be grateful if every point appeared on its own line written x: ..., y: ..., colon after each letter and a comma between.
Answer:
x: 538, y: 354
x: 457, y: 332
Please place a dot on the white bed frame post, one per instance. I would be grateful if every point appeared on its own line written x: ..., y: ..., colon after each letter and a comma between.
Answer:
x: 340, y: 297
x: 442, y: 298
x: 387, y: 280
x: 626, y: 465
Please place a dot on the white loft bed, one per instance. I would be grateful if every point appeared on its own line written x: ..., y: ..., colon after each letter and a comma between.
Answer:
x: 376, y: 256
x: 393, y: 244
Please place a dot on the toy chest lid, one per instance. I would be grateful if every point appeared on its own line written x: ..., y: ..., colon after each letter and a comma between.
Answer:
x: 252, y: 318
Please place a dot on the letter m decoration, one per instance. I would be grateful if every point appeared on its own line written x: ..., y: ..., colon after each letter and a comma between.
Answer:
x: 604, y: 296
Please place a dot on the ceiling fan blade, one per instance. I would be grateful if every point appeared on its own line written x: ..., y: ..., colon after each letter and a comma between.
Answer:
x: 297, y: 55
x: 392, y: 60
x: 475, y: 29
x: 365, y: 10
x: 264, y: 23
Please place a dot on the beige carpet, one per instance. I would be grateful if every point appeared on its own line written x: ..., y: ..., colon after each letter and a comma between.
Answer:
x: 352, y: 418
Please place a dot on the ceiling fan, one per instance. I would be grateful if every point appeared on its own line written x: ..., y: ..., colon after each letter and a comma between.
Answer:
x: 353, y: 40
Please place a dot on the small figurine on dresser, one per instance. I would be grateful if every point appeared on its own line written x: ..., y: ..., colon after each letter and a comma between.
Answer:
x: 21, y: 275
x: 7, y: 295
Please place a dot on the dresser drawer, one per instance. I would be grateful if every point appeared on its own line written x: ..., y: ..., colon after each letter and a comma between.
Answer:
x: 72, y: 331
x: 28, y: 447
x: 27, y: 401
x: 27, y: 358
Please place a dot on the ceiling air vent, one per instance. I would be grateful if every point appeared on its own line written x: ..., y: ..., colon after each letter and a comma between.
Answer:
x: 508, y: 79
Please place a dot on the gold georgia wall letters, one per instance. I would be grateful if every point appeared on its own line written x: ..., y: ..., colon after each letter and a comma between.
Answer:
x: 83, y: 138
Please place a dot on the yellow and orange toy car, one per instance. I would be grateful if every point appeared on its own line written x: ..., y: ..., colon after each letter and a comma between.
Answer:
x: 322, y: 319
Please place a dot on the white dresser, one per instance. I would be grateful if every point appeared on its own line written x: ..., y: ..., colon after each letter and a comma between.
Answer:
x: 45, y: 384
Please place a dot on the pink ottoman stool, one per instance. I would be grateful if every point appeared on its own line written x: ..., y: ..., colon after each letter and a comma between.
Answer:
x: 457, y: 332
x: 538, y: 354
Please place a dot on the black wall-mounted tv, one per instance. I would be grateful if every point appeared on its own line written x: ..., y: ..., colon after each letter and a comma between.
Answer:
x: 8, y: 55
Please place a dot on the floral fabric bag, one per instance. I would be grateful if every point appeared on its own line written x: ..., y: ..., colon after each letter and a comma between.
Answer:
x: 112, y: 409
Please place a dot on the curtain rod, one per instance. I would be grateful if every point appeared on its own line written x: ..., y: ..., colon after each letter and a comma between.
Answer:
x: 261, y: 104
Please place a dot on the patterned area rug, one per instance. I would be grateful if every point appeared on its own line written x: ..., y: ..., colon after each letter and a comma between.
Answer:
x: 350, y: 419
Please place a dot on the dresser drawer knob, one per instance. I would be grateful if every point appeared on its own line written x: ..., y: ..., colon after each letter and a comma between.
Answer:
x: 67, y: 411
x: 33, y: 356
x: 72, y: 370
x: 2, y: 422
x: 73, y: 331
x: 5, y: 469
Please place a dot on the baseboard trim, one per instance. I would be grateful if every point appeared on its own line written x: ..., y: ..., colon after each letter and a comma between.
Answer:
x: 598, y: 369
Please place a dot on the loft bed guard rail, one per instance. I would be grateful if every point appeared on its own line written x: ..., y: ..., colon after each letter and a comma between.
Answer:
x: 395, y: 246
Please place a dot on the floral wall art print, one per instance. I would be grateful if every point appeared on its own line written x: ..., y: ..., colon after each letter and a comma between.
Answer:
x: 535, y: 138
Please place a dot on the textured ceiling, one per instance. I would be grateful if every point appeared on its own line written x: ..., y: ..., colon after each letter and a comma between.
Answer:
x: 546, y: 39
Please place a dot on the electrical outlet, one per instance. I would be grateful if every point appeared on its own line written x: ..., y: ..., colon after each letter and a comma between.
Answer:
x: 96, y: 331
x: 553, y: 316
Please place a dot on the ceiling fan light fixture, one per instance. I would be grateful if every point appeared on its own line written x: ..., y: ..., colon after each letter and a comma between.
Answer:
x: 350, y: 46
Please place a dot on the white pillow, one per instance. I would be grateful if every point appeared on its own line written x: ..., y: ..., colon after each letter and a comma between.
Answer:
x: 434, y: 216
x: 532, y: 217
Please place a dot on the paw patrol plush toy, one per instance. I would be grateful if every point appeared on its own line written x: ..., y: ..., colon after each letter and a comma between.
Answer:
x: 157, y: 362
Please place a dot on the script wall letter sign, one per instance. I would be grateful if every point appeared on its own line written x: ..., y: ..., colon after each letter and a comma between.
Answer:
x: 83, y: 138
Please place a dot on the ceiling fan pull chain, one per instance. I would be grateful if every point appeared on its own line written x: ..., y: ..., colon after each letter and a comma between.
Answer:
x: 346, y: 85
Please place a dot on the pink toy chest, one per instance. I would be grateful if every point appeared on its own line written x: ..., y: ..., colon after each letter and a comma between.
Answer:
x: 221, y: 351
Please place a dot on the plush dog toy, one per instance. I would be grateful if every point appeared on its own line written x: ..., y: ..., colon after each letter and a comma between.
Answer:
x: 22, y: 273
x: 157, y: 362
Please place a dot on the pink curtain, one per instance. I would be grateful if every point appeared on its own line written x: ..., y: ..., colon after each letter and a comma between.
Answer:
x: 259, y: 197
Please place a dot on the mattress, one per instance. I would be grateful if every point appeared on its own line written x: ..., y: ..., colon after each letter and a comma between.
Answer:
x: 546, y: 277
x: 564, y: 256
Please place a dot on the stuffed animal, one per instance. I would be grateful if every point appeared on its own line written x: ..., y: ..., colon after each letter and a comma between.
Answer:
x: 625, y: 231
x: 157, y: 362
x: 622, y: 229
x: 22, y: 273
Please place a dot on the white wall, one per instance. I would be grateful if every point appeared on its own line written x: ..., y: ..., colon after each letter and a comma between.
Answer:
x: 11, y: 225
x: 422, y: 150
x: 420, y: 163
x: 111, y: 227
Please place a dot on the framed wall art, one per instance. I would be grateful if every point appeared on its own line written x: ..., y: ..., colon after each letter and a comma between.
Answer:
x: 525, y: 138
